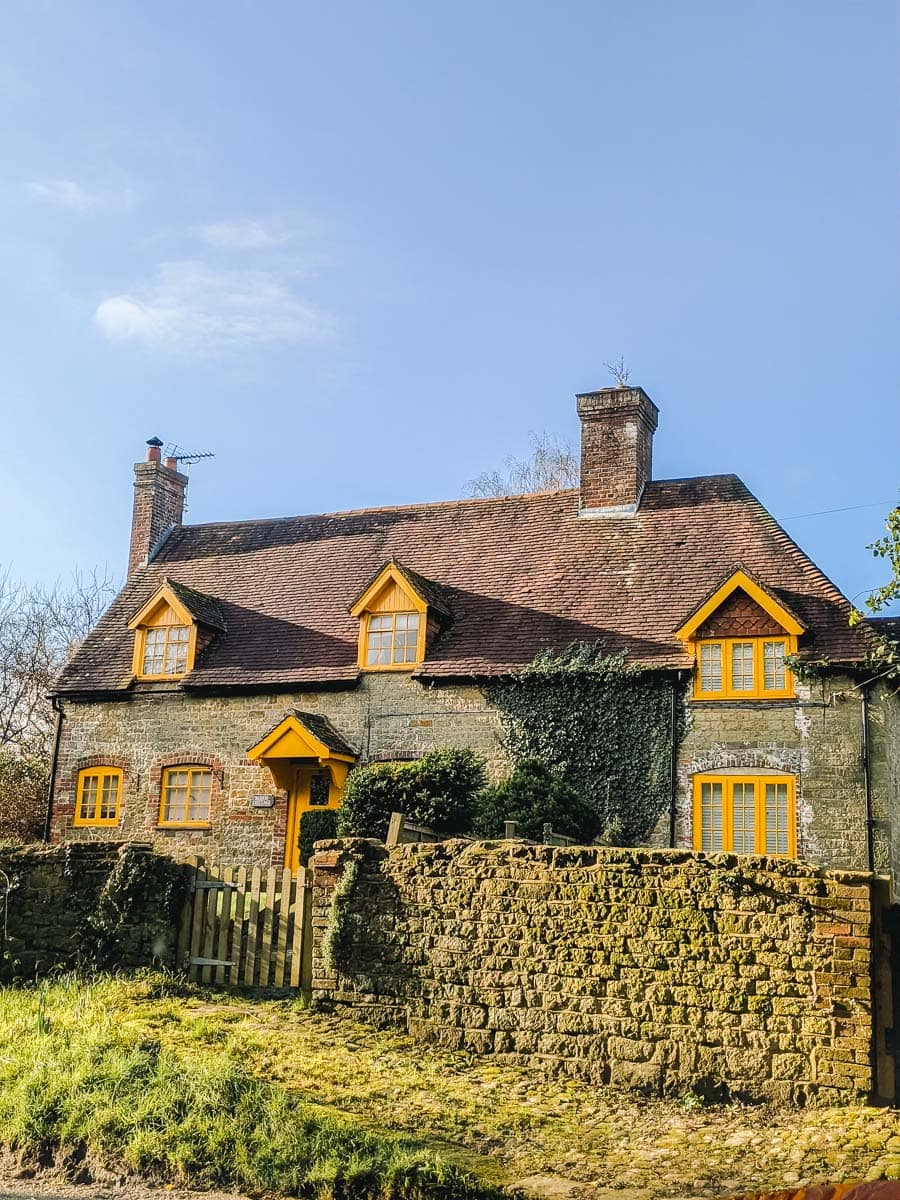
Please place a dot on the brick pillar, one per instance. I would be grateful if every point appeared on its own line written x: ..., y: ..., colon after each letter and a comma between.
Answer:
x: 617, y: 427
x: 158, y: 503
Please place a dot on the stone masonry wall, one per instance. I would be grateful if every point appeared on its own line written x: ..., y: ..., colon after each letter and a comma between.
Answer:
x: 384, y: 717
x: 817, y: 738
x: 52, y: 894
x: 661, y: 970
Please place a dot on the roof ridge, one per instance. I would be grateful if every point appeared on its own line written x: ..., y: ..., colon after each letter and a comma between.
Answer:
x: 457, y: 502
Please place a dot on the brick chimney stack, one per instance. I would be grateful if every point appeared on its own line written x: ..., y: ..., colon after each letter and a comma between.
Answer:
x: 158, y: 503
x: 617, y: 427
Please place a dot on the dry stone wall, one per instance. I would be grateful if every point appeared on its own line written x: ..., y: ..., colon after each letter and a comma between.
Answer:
x: 661, y: 970
x: 107, y: 905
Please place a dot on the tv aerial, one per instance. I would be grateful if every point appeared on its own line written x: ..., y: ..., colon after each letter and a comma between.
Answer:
x: 186, y: 457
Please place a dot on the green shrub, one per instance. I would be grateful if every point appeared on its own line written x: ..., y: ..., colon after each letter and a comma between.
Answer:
x: 316, y: 824
x: 437, y: 790
x: 531, y: 796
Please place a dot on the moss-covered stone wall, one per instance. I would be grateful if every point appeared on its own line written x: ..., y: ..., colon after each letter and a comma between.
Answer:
x: 103, y: 905
x: 662, y: 970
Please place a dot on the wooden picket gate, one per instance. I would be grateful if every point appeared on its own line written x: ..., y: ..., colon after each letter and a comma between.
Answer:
x: 246, y: 927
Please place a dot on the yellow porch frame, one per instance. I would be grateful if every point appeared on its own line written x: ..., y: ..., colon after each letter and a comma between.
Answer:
x: 295, y: 755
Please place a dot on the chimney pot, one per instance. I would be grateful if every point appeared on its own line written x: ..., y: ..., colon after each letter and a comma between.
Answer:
x: 617, y: 427
x: 153, y: 449
x: 172, y: 464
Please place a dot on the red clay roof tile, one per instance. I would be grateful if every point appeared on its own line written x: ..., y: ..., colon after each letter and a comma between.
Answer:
x: 520, y: 574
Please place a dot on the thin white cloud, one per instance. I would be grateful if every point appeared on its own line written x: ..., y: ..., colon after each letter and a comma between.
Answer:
x: 64, y: 193
x: 244, y: 234
x: 191, y: 308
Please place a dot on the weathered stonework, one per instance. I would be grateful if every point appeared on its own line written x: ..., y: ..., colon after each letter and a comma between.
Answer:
x: 385, y: 717
x: 817, y: 738
x: 657, y: 970
x: 51, y: 895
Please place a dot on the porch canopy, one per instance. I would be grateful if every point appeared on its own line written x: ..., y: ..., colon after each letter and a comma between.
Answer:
x: 302, y: 738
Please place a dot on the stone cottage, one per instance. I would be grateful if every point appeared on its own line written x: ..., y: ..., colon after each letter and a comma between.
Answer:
x: 246, y: 666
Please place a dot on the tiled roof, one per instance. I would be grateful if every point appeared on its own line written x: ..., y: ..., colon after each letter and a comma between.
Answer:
x: 204, y: 609
x: 320, y: 727
x: 520, y: 574
x: 888, y: 627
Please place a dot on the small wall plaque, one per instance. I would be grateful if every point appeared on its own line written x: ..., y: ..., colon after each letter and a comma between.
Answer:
x: 260, y: 800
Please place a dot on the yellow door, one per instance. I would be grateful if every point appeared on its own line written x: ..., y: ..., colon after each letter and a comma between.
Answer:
x: 298, y: 800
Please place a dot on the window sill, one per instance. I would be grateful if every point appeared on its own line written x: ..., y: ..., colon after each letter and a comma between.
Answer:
x: 368, y: 669
x: 201, y: 826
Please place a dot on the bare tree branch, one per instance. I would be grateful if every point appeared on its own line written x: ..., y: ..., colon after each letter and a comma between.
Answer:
x: 552, y: 466
x: 40, y: 628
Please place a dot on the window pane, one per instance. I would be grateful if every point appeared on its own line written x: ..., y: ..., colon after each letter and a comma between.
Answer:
x: 199, y: 798
x: 406, y: 637
x: 711, y: 668
x: 109, y: 800
x: 742, y: 667
x: 776, y: 818
x: 88, y: 805
x: 175, y: 808
x: 154, y: 649
x: 378, y: 651
x: 743, y: 821
x: 381, y: 622
x: 710, y: 816
x: 773, y: 666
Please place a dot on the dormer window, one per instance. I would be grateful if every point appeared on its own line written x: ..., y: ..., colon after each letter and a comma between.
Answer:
x: 740, y: 637
x: 166, y: 650
x: 392, y: 639
x: 398, y: 612
x: 168, y: 629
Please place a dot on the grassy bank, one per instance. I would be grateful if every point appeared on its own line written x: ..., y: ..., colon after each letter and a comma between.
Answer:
x: 209, y: 1089
x: 83, y: 1073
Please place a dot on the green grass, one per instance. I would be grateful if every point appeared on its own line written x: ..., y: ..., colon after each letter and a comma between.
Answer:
x: 186, y: 1085
x: 79, y: 1079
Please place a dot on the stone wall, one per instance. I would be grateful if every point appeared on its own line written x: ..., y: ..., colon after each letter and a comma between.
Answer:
x: 817, y: 738
x: 661, y: 970
x: 384, y: 717
x: 62, y: 909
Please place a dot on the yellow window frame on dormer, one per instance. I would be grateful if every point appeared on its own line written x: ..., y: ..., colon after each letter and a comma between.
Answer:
x: 743, y: 662
x: 393, y: 623
x: 153, y: 629
x: 743, y: 668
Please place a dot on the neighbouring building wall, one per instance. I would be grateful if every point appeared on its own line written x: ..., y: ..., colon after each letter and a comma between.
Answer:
x: 109, y: 906
x: 817, y: 738
x: 661, y: 970
x: 384, y: 717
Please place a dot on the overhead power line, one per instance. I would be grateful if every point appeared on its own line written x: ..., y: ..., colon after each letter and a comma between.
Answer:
x: 824, y: 512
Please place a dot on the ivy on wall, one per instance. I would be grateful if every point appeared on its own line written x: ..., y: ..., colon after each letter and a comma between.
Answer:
x: 135, y: 911
x: 603, y: 726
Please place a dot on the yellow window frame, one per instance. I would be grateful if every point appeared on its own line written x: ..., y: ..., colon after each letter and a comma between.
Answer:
x: 759, y: 691
x: 163, y: 602
x: 100, y: 774
x: 406, y: 665
x: 192, y: 769
x: 727, y: 783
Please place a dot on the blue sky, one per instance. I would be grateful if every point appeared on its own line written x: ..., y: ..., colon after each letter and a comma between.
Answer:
x: 361, y: 250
